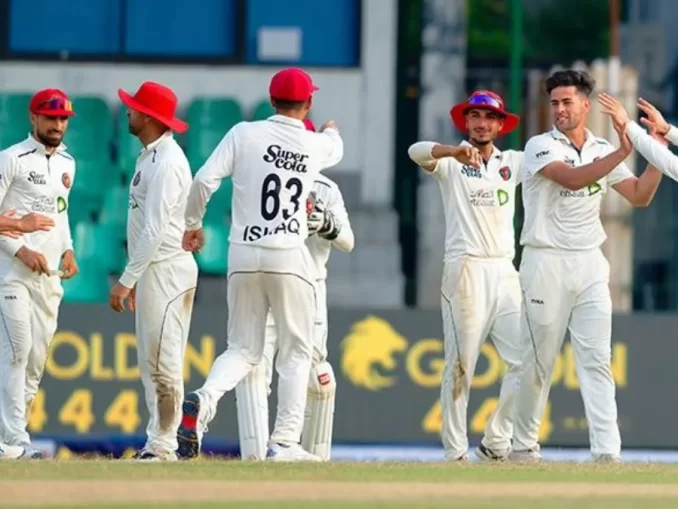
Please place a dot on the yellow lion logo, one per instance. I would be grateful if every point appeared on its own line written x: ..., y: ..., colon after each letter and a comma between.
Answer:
x: 371, y: 343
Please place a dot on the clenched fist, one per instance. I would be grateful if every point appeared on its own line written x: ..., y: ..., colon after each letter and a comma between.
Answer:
x: 330, y: 124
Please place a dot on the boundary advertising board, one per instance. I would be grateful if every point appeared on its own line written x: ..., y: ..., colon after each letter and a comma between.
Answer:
x: 388, y: 366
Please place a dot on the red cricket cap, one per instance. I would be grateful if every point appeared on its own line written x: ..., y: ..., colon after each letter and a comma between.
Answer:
x: 51, y: 102
x: 291, y: 84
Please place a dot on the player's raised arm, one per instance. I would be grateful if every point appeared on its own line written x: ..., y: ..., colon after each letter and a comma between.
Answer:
x: 427, y: 153
x: 208, y: 179
x: 638, y: 191
x: 333, y: 148
x: 539, y: 158
x: 656, y: 123
x: 654, y: 151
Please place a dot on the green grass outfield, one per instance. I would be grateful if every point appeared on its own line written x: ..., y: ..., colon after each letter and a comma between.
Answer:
x: 211, y: 484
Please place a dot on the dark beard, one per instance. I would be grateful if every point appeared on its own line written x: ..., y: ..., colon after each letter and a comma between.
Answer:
x: 480, y: 143
x: 46, y: 141
x: 132, y: 130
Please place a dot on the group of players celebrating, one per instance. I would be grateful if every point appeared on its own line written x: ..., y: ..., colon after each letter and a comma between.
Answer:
x: 563, y: 281
x: 286, y: 218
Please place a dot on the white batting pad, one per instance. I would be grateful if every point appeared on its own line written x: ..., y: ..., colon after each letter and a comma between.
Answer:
x: 316, y: 437
x: 252, y: 407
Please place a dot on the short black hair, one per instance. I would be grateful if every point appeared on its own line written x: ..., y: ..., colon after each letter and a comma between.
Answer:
x: 582, y: 80
x: 282, y: 104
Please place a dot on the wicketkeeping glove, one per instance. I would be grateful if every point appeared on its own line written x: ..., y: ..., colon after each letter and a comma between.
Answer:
x: 314, y: 214
x: 330, y: 228
x: 320, y: 220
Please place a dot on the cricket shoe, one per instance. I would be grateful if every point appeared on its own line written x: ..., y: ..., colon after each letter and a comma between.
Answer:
x: 290, y: 453
x: 192, y: 428
x: 31, y: 453
x: 148, y: 455
x: 528, y: 456
x: 606, y: 458
x: 461, y: 458
x: 12, y: 452
x: 487, y: 454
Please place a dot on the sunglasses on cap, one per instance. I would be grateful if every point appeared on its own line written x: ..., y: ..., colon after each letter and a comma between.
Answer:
x: 482, y: 99
x: 56, y: 104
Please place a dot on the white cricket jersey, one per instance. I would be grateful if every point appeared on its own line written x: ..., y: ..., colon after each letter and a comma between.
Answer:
x: 320, y: 248
x: 654, y: 152
x: 479, y: 204
x: 157, y: 205
x: 556, y: 217
x: 272, y: 163
x: 31, y: 180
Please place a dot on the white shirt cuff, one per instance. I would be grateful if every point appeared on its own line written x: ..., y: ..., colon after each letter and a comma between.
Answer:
x: 127, y: 280
x: 672, y: 135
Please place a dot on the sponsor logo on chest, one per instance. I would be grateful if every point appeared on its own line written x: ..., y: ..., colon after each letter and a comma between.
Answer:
x: 590, y: 190
x: 37, y: 178
x: 471, y: 172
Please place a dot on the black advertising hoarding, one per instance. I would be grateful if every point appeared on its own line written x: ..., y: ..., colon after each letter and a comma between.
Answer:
x: 388, y: 366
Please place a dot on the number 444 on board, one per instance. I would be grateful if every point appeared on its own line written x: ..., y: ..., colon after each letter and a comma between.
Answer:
x: 76, y: 412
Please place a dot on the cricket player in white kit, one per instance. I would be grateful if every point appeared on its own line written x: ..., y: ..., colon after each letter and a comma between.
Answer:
x: 15, y: 228
x: 36, y: 176
x: 161, y: 277
x: 273, y: 164
x: 480, y: 292
x: 329, y: 226
x: 563, y: 272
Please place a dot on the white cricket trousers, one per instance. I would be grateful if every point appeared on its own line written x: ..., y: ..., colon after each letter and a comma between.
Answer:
x: 480, y: 298
x: 165, y: 294
x: 281, y: 280
x: 29, y: 309
x: 253, y: 391
x: 567, y: 290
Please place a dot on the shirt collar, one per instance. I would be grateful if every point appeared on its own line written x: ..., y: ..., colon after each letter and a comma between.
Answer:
x: 496, y: 153
x: 32, y: 142
x: 282, y: 119
x: 558, y: 135
x: 153, y: 145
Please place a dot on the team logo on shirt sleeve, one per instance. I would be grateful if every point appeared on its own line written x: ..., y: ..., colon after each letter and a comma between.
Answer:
x: 505, y: 172
x: 136, y: 180
x: 66, y: 180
